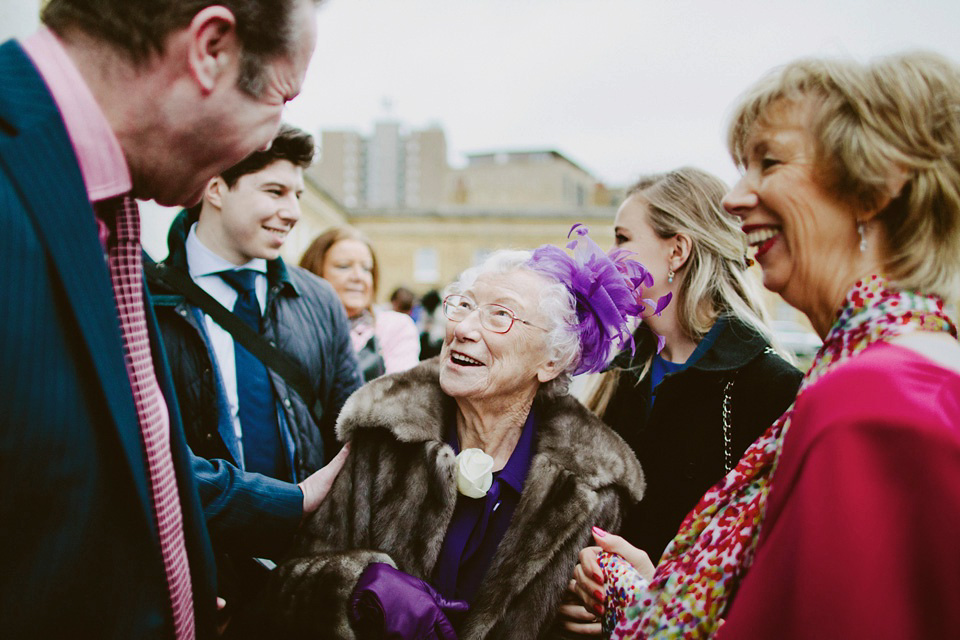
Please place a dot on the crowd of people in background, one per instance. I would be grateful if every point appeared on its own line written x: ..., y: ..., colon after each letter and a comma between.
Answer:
x: 567, y: 441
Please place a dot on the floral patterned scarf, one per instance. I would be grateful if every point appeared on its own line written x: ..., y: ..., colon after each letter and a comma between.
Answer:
x: 691, y: 589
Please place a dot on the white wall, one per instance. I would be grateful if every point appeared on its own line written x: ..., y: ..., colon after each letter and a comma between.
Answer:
x: 18, y: 18
x: 154, y: 225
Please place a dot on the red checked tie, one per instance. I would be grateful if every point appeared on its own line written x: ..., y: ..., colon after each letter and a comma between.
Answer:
x: 126, y: 274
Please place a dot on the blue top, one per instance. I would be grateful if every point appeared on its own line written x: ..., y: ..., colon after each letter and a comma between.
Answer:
x: 660, y: 368
x: 478, y: 524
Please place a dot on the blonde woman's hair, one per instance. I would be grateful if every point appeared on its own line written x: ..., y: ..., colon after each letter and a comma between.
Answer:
x: 896, y: 118
x: 713, y: 281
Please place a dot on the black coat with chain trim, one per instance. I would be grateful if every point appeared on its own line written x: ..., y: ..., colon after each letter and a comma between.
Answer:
x: 680, y: 441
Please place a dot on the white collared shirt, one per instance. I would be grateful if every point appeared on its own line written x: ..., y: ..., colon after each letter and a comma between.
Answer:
x: 203, y: 265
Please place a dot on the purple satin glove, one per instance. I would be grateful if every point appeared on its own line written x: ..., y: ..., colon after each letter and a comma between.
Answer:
x: 390, y: 604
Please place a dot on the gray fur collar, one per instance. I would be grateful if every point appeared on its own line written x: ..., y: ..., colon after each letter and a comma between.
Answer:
x: 413, y: 408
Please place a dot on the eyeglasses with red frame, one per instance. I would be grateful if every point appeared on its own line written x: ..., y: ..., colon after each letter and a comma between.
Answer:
x: 493, y: 317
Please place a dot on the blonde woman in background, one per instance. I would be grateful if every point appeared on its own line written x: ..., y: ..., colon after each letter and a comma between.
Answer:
x: 691, y: 410
x: 385, y: 341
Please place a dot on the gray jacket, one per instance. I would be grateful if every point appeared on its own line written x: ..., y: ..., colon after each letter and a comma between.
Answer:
x: 304, y: 318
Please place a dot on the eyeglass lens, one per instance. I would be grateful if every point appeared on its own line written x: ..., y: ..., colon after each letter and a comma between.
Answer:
x: 493, y: 317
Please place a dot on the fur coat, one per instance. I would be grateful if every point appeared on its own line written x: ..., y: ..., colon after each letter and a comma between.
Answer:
x: 395, y: 498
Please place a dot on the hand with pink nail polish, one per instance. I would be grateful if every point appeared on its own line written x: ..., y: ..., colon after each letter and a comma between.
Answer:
x: 588, y: 584
x: 586, y: 590
x: 615, y: 544
x: 575, y: 618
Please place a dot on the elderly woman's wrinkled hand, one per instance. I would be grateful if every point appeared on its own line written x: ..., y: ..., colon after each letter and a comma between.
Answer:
x: 574, y: 617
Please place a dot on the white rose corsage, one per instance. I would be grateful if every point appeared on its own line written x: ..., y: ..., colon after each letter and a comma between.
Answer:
x: 474, y: 473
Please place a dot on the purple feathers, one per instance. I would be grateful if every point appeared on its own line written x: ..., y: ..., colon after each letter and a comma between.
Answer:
x: 608, y: 289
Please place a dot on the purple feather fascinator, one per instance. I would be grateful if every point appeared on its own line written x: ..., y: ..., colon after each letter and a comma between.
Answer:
x: 608, y: 289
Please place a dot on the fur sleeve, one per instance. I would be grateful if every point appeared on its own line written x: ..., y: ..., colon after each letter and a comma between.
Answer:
x: 537, y: 603
x: 309, y: 596
x: 309, y: 593
x: 608, y: 516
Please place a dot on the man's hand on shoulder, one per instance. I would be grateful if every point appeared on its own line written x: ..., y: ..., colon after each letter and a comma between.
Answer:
x: 317, y: 486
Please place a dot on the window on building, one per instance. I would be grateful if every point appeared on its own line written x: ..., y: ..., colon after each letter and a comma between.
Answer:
x: 426, y: 266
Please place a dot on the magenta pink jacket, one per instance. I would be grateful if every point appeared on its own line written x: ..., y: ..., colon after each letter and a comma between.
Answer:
x: 862, y: 533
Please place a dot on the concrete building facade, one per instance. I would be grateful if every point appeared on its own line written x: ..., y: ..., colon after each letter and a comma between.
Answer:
x: 318, y: 212
x: 429, y: 222
x: 393, y: 168
x: 522, y: 179
x: 427, y: 249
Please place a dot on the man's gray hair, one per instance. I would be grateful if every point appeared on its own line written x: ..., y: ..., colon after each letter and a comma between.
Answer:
x: 139, y: 28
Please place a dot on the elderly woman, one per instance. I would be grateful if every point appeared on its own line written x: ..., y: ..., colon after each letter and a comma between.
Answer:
x: 842, y: 520
x: 474, y: 479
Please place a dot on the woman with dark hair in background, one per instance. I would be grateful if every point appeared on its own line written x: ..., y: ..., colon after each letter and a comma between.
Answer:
x: 385, y: 341
x: 691, y: 409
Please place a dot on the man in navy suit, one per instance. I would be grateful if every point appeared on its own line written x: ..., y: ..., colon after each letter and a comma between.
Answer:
x: 105, y: 515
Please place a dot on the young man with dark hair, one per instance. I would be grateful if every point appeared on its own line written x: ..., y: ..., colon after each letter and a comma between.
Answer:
x: 106, y: 515
x: 232, y: 406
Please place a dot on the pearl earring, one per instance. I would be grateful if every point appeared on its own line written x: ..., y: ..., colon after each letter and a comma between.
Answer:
x: 670, y: 275
x: 863, y: 237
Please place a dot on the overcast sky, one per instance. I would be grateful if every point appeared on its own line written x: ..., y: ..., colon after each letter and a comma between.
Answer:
x: 622, y: 87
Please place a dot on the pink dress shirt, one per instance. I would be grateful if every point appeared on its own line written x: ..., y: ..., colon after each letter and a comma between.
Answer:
x: 102, y: 164
x: 106, y: 177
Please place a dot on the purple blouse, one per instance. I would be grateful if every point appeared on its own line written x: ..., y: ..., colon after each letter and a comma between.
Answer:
x: 478, y: 524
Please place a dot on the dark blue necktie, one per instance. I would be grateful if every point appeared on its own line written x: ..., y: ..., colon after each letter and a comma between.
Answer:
x: 262, y: 449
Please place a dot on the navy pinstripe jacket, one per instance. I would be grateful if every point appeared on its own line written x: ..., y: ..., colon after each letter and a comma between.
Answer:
x: 79, y: 556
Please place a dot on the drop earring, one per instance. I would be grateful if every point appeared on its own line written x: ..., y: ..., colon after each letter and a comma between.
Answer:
x: 670, y: 275
x: 863, y: 237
